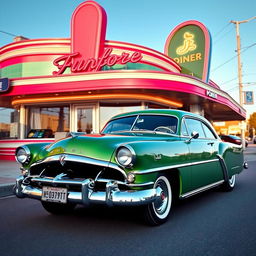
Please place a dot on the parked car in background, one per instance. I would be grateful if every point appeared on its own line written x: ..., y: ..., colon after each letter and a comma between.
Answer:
x: 146, y: 158
x: 254, y: 140
x: 233, y: 139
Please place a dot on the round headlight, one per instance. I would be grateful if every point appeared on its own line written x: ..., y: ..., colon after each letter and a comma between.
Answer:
x: 125, y: 157
x: 22, y: 155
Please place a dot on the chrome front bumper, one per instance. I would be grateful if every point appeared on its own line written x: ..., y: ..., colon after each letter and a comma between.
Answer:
x: 112, y: 196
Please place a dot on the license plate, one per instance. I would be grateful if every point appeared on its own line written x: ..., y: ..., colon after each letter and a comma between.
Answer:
x: 53, y: 194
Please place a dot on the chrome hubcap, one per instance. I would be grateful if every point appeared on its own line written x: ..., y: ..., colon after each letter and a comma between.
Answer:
x: 162, y: 204
x: 232, y: 181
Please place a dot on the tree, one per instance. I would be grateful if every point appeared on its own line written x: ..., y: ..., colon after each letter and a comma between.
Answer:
x: 252, y: 123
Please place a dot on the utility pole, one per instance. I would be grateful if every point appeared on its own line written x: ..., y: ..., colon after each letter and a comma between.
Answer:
x: 239, y: 67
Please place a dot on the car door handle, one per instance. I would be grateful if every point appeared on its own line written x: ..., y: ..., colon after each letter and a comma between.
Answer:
x: 210, y: 143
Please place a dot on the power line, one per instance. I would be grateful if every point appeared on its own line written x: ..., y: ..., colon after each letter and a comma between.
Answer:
x: 249, y: 83
x: 229, y: 81
x: 226, y: 82
x: 221, y: 29
x: 248, y: 47
x: 244, y: 49
x: 231, y: 88
x: 226, y: 62
x: 223, y: 36
x: 244, y: 84
x: 7, y: 33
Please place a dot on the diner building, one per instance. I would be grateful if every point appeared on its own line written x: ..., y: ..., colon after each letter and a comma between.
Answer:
x: 59, y: 85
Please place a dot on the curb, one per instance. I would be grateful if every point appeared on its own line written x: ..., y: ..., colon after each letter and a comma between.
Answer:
x: 6, y: 189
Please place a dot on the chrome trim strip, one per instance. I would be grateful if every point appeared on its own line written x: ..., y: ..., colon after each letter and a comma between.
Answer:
x: 173, y: 166
x: 151, y: 183
x: 224, y: 168
x: 112, y: 195
x: 58, y: 180
x: 236, y: 167
x: 80, y: 159
x: 146, y: 114
x: 196, y: 191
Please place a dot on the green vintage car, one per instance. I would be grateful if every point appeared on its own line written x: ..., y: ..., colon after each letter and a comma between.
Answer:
x: 146, y: 158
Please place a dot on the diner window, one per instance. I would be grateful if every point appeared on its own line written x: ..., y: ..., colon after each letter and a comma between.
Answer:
x: 149, y: 105
x: 44, y: 122
x: 84, y: 119
x: 9, y: 120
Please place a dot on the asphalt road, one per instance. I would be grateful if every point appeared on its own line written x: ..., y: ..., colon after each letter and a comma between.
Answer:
x: 212, y: 223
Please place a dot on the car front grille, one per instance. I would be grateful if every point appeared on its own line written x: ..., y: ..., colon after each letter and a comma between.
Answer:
x: 43, y: 174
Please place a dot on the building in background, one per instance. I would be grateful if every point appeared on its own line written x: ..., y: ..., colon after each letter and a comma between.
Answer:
x: 55, y: 86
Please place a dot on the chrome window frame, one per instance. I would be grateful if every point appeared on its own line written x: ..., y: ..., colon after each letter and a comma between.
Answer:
x: 144, y: 114
x: 202, y: 121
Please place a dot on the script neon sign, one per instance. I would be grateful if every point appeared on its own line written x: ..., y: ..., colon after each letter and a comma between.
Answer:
x: 92, y: 64
x: 188, y: 44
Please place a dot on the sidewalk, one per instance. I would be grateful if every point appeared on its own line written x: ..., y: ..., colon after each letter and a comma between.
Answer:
x: 9, y: 171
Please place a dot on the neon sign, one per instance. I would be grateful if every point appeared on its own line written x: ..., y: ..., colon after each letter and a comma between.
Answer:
x: 88, y: 52
x: 188, y: 44
x: 92, y: 64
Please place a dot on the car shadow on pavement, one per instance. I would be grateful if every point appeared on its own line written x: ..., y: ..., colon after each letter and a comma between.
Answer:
x: 131, y: 217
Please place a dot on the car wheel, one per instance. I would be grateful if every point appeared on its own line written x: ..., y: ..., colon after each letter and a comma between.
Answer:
x: 230, y: 184
x: 58, y: 209
x: 157, y: 212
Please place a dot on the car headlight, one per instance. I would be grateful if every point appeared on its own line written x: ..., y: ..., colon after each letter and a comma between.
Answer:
x: 125, y: 156
x: 22, y: 155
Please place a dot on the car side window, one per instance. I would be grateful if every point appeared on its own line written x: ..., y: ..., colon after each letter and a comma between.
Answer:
x: 195, y: 125
x: 208, y: 133
x: 184, y: 131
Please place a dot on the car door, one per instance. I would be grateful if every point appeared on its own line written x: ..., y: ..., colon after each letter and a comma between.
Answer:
x: 205, y: 166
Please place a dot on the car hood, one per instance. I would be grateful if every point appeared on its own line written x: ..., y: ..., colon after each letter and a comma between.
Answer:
x: 97, y: 146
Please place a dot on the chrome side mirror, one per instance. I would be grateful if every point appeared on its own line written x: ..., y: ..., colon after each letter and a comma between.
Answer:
x: 194, y: 135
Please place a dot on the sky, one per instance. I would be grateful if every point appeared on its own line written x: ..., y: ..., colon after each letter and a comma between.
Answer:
x: 148, y: 23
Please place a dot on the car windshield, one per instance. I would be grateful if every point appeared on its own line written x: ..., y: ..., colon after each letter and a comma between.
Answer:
x: 145, y: 123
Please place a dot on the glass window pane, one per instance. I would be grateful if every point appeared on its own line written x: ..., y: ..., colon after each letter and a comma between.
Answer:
x: 84, y: 120
x: 107, y: 112
x: 167, y: 124
x: 184, y: 130
x: 121, y: 124
x: 194, y: 125
x: 9, y: 120
x: 208, y: 133
x: 45, y: 121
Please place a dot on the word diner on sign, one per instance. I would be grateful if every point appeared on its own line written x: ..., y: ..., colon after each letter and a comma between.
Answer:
x: 211, y: 94
x: 93, y: 64
x: 189, y: 58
